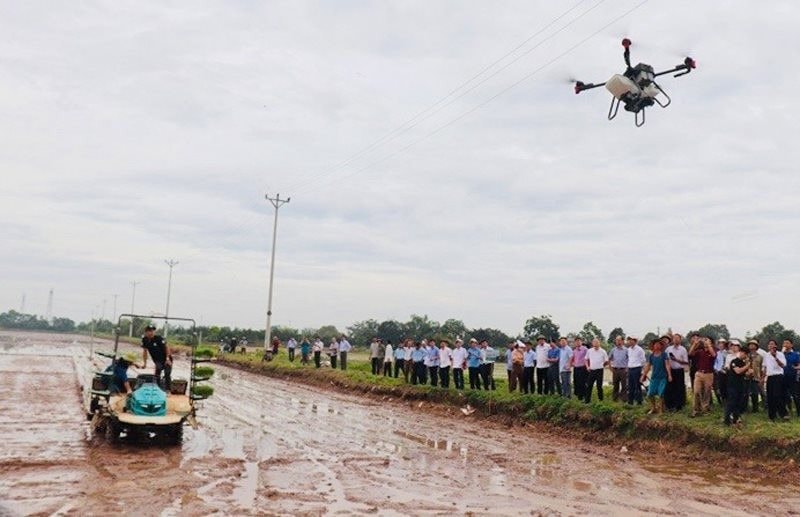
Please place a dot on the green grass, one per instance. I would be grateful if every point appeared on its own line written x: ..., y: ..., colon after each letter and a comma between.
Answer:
x: 758, y: 435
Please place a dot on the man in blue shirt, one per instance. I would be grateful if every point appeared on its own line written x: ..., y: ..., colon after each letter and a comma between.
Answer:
x: 720, y: 388
x: 418, y: 371
x: 565, y: 367
x: 553, y: 384
x: 790, y: 371
x: 399, y: 360
x: 433, y: 362
x: 528, y: 367
x: 474, y: 364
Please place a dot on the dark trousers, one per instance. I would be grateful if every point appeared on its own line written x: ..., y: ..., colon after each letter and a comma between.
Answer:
x: 444, y: 376
x: 433, y: 372
x: 343, y: 360
x: 333, y: 361
x: 733, y: 403
x: 418, y: 373
x: 458, y: 378
x: 720, y: 387
x: 553, y: 384
x: 408, y: 368
x: 291, y: 354
x: 755, y: 391
x: 619, y: 384
x: 487, y: 375
x: 579, y: 380
x: 166, y: 369
x: 675, y: 393
x: 776, y: 405
x: 376, y: 365
x: 541, y: 380
x: 387, y: 368
x: 317, y: 359
x: 399, y: 365
x: 527, y: 380
x: 595, y: 377
x: 634, y: 386
x: 790, y: 393
x: 474, y: 377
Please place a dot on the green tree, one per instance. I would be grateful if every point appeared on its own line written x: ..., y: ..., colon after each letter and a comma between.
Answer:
x: 713, y: 330
x: 362, y: 332
x: 777, y: 332
x: 614, y: 333
x: 591, y: 331
x: 650, y: 336
x: 453, y: 329
x: 328, y: 332
x: 391, y: 330
x: 420, y: 327
x: 542, y: 325
x: 496, y: 338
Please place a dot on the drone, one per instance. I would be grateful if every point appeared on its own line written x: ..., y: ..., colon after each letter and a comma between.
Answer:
x: 636, y: 88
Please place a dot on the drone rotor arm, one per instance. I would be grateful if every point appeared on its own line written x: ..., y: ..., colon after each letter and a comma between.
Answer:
x: 688, y: 65
x: 581, y: 86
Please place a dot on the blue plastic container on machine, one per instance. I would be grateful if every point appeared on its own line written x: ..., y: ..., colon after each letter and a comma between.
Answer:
x: 148, y: 400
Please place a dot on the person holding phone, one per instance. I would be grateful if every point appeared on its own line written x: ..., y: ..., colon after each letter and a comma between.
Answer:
x: 675, y: 394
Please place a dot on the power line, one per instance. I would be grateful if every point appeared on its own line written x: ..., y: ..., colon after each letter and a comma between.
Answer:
x: 425, y: 113
x: 493, y: 97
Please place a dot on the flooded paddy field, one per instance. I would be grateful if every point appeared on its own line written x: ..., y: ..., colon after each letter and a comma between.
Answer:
x: 266, y: 446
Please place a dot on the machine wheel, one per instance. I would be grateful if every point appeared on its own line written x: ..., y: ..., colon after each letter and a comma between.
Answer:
x: 174, y: 434
x: 112, y: 431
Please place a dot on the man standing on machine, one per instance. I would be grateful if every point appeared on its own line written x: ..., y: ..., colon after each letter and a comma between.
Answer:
x: 160, y: 354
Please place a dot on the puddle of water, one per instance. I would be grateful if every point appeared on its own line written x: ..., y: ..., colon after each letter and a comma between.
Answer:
x: 245, y: 491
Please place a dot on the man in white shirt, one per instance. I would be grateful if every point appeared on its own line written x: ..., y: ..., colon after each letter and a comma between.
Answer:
x: 774, y: 363
x: 408, y: 363
x: 636, y: 360
x: 375, y: 356
x: 291, y: 346
x: 344, y: 348
x: 675, y: 394
x: 596, y: 361
x: 542, y: 364
x: 445, y: 362
x: 459, y: 357
x: 317, y: 349
x: 388, y: 358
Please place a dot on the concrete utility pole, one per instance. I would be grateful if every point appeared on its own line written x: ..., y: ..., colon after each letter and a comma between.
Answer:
x: 49, y: 312
x: 22, y: 305
x: 133, y: 300
x: 114, y: 318
x: 171, y: 263
x: 276, y: 202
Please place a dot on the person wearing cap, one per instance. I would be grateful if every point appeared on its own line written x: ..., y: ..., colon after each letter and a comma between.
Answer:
x: 660, y: 374
x: 517, y: 366
x: 790, y: 371
x: 565, y: 367
x: 596, y: 361
x: 159, y: 352
x: 445, y: 363
x: 774, y: 363
x: 636, y: 361
x: 720, y: 389
x: 474, y: 364
x: 675, y: 394
x: 542, y: 364
x: 119, y: 370
x: 618, y: 358
x: 579, y: 374
x: 528, y: 367
x: 753, y: 377
x: 703, y: 352
x: 459, y: 358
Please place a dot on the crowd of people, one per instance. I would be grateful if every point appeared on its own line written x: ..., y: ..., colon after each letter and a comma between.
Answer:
x: 741, y: 377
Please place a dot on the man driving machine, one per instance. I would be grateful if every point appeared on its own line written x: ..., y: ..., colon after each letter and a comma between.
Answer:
x: 161, y: 355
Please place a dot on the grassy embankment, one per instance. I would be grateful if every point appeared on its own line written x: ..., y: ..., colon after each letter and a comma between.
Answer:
x: 758, y: 437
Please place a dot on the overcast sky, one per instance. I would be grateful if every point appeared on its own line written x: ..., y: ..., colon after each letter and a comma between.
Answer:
x: 138, y: 131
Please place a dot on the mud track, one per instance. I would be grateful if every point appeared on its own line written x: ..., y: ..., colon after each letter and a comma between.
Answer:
x: 266, y: 446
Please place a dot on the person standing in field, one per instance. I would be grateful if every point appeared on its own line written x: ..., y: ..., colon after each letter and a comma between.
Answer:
x: 291, y: 346
x: 388, y: 358
x: 418, y: 369
x: 659, y: 368
x: 636, y: 361
x: 790, y: 391
x: 459, y: 363
x: 509, y: 367
x: 317, y: 349
x: 774, y: 363
x: 517, y: 366
x: 305, y: 351
x: 675, y: 394
x: 542, y: 364
x: 553, y: 384
x: 159, y: 351
x: 619, y: 370
x: 490, y: 357
x: 580, y: 377
x: 720, y: 390
x: 596, y: 361
x: 445, y: 363
x: 408, y: 363
x: 703, y: 352
x: 375, y: 356
x: 754, y: 377
x: 474, y: 355
x: 399, y: 359
x: 528, y: 367
x: 565, y: 367
x: 736, y: 385
x: 433, y: 362
x: 344, y: 349
x: 333, y: 352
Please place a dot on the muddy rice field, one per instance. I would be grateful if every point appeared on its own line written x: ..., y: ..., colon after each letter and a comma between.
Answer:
x: 264, y: 446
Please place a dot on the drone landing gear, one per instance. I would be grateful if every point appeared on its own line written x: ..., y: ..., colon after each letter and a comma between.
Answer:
x: 614, y: 108
x: 639, y: 120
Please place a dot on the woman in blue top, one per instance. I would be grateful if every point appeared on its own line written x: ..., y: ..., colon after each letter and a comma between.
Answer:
x: 658, y: 362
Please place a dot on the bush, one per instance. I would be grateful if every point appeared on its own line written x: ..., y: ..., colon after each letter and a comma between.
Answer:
x: 203, y: 371
x: 202, y: 390
x: 204, y: 352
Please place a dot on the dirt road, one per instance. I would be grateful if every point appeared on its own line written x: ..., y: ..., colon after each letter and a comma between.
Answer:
x: 266, y: 446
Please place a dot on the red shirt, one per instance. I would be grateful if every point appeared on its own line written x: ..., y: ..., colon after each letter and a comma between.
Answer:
x: 704, y: 361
